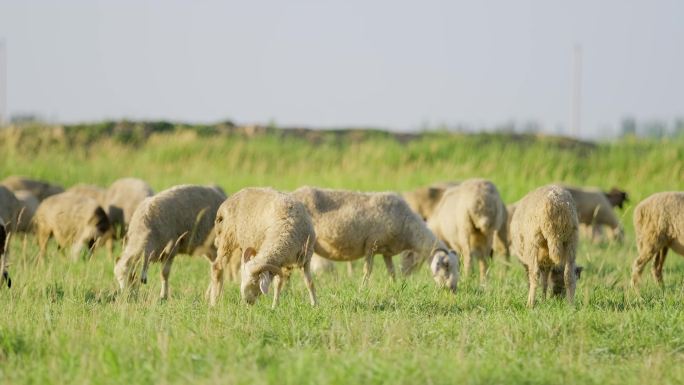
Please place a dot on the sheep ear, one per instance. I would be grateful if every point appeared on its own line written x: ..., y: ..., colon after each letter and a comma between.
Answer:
x: 248, y: 254
x: 264, y: 281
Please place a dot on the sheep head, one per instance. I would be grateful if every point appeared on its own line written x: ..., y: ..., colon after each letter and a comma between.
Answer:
x: 444, y: 268
x: 256, y: 276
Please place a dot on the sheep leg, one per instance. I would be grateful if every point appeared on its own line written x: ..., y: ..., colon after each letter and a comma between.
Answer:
x: 42, y: 245
x: 308, y: 281
x: 390, y: 266
x: 367, y: 269
x: 75, y: 252
x: 658, y: 266
x: 467, y: 261
x: 278, y: 282
x: 216, y: 285
x: 483, y: 264
x: 544, y: 276
x: 165, y: 272
x: 533, y: 278
x: 570, y: 279
x: 645, y: 255
x: 350, y: 269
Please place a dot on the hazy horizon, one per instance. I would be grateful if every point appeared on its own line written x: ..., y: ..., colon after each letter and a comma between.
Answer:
x: 351, y: 63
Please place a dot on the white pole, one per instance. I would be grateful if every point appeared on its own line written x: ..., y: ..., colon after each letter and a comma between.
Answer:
x: 576, y: 91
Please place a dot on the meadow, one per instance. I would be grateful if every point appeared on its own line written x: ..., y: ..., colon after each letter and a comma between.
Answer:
x: 63, y: 322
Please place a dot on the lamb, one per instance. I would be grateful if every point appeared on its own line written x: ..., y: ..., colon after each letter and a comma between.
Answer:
x: 73, y: 220
x: 4, y: 246
x: 544, y: 234
x: 351, y: 225
x: 274, y: 233
x: 122, y: 198
x: 659, y: 226
x: 39, y: 189
x: 594, y: 210
x: 467, y: 218
x: 177, y: 220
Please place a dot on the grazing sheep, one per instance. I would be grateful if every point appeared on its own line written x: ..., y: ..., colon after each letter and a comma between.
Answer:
x: 39, y: 189
x: 544, y: 234
x: 659, y: 226
x: 467, y: 218
x: 351, y: 225
x: 4, y: 246
x: 424, y: 200
x: 594, y: 210
x: 122, y: 198
x: 10, y: 209
x: 177, y: 220
x: 73, y: 220
x: 89, y: 190
x: 275, y: 235
x: 616, y: 197
x: 28, y: 204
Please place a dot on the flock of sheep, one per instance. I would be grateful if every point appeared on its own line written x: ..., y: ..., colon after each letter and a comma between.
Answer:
x: 259, y: 235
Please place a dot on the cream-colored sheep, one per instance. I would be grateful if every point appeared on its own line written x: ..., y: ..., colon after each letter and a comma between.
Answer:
x: 96, y: 192
x: 351, y: 225
x: 467, y: 218
x: 4, y: 247
x: 74, y: 221
x: 544, y: 235
x: 122, y: 198
x: 594, y: 210
x: 39, y: 189
x: 502, y: 240
x: 659, y: 226
x: 275, y: 235
x: 179, y: 220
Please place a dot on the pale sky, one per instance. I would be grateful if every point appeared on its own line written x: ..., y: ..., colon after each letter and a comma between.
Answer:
x: 390, y: 64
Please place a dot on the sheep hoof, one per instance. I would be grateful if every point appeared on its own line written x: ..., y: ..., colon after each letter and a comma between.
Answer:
x: 6, y: 277
x: 143, y: 280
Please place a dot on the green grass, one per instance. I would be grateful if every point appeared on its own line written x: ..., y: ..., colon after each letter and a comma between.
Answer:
x: 63, y: 322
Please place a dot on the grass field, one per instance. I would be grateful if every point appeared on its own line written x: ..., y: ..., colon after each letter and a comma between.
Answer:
x: 63, y: 322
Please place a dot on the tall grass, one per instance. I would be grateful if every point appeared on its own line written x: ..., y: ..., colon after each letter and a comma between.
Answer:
x: 63, y: 322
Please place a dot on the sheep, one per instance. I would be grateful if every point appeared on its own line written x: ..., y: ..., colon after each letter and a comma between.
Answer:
x: 73, y: 220
x: 89, y: 190
x: 28, y: 204
x: 320, y: 265
x: 4, y: 247
x: 10, y: 209
x: 659, y: 226
x: 544, y: 234
x: 594, y: 210
x: 616, y: 197
x: 502, y: 240
x: 467, y: 218
x: 351, y: 225
x: 177, y: 220
x: 424, y: 200
x: 39, y: 189
x: 122, y: 198
x: 274, y: 233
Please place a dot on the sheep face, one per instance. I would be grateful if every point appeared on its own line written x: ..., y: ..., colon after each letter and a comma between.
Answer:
x: 444, y: 268
x: 255, y: 280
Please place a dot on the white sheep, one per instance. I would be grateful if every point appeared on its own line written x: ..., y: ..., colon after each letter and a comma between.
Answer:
x: 659, y: 226
x: 467, y: 218
x: 594, y: 210
x: 275, y: 235
x: 179, y: 220
x: 122, y: 198
x: 351, y: 225
x: 544, y: 234
x: 73, y: 220
x: 4, y: 248
x: 424, y: 200
x: 38, y: 188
